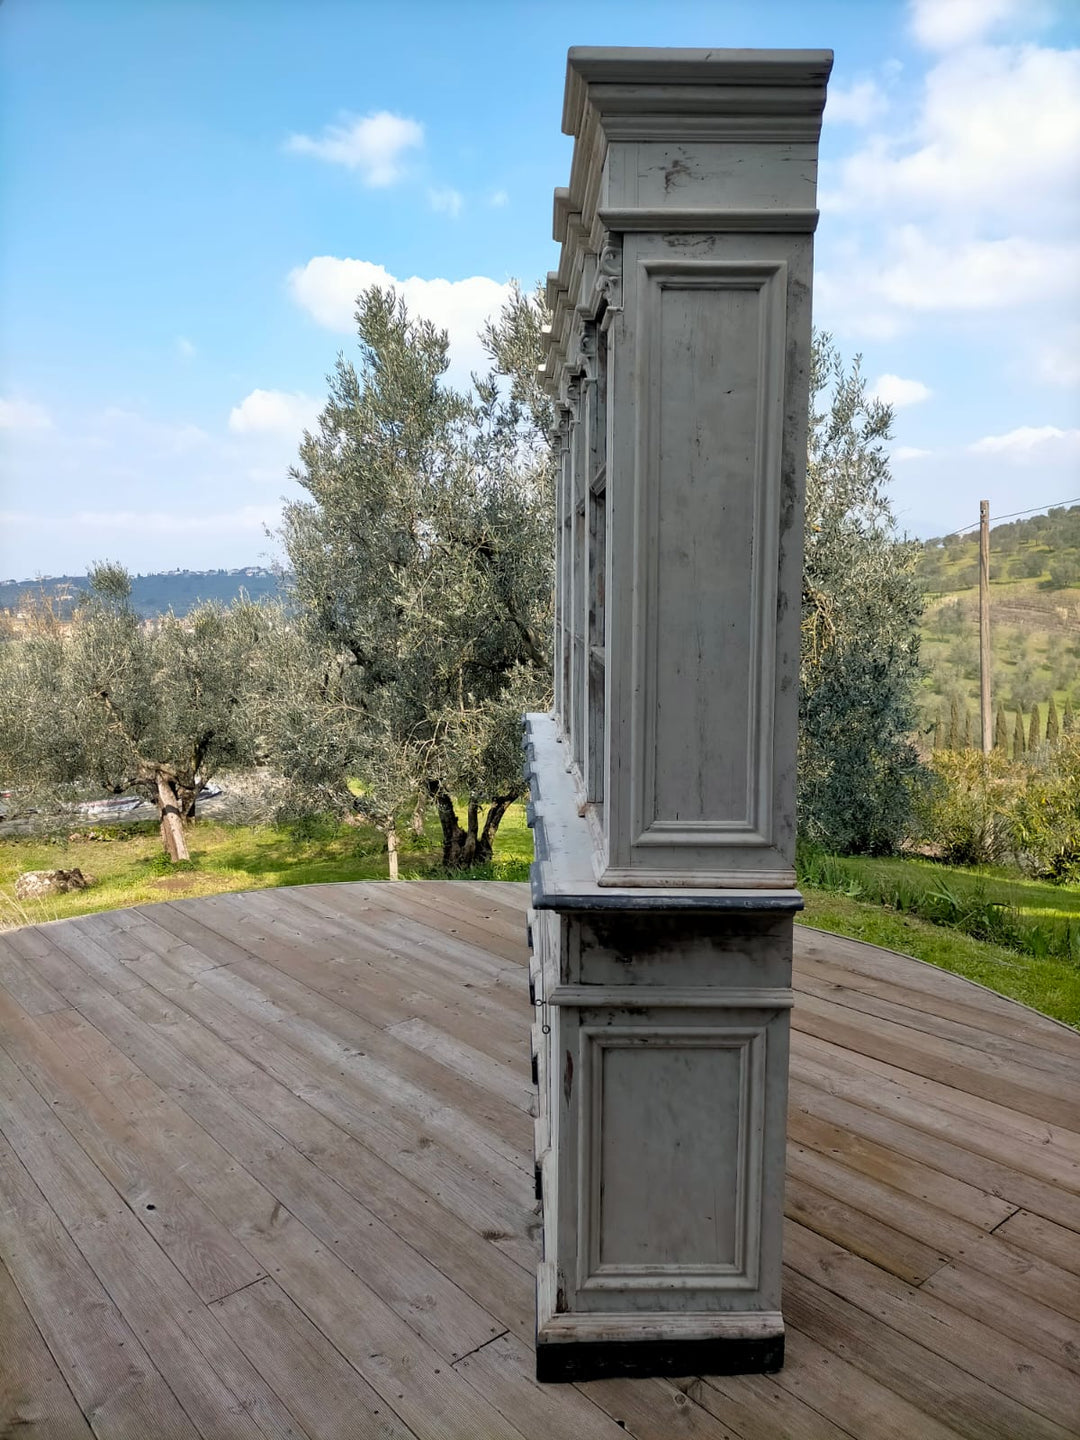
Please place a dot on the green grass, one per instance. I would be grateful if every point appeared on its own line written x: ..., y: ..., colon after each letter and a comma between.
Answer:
x: 129, y: 867
x: 1050, y: 986
x: 1030, y: 917
x: 1020, y: 937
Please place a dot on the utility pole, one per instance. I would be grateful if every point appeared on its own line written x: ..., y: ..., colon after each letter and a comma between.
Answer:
x: 984, y: 625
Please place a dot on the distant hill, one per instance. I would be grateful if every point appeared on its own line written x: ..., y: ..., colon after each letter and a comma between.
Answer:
x: 176, y: 590
x: 1034, y: 615
x: 1039, y: 552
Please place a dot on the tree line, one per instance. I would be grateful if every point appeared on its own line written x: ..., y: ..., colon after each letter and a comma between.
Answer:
x: 959, y: 731
x: 415, y: 625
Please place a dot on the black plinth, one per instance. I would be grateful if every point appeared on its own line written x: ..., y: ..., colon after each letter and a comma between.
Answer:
x: 570, y: 1361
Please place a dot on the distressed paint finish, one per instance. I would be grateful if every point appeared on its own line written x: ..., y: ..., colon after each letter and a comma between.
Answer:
x: 663, y: 784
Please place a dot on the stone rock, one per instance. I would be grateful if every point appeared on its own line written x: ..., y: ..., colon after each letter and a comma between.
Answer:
x: 33, y: 884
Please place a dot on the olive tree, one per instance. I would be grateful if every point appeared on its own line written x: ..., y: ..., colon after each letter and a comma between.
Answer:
x: 421, y: 577
x: 108, y: 703
x: 861, y: 605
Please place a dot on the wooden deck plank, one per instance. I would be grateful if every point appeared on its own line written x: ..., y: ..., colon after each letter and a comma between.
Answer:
x: 912, y: 1371
x: 35, y: 1401
x: 116, y: 1384
x: 862, y: 959
x: 820, y: 1376
x: 24, y: 985
x: 327, y: 1397
x: 907, y: 989
x: 503, y: 1372
x: 288, y: 1175
x: 1042, y: 1237
x: 201, y: 1365
x: 1009, y: 1366
x: 1014, y: 1188
x: 811, y: 1136
x: 1029, y: 1144
x: 992, y: 1301
x: 324, y: 1094
x: 1021, y: 1055
x: 755, y: 1407
x: 964, y: 1068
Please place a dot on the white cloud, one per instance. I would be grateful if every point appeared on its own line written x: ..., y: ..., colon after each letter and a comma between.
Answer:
x: 942, y: 24
x: 860, y: 104
x: 903, y: 453
x: 274, y: 410
x: 892, y: 390
x: 1029, y: 443
x: 447, y: 201
x: 373, y: 144
x: 327, y: 288
x: 914, y: 273
x: 978, y: 274
x: 498, y: 199
x: 18, y: 414
x: 184, y: 348
x: 998, y: 133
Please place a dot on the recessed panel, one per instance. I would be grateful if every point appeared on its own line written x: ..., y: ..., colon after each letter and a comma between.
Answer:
x: 708, y: 487
x: 670, y: 1146
x: 707, y: 453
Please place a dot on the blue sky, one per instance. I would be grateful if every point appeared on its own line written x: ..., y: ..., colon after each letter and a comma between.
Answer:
x: 193, y: 193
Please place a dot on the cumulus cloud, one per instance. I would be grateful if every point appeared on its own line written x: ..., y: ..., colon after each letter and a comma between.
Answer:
x: 892, y: 390
x: 447, y: 201
x: 1029, y: 443
x: 978, y: 274
x: 19, y: 414
x: 327, y: 287
x: 375, y: 145
x: 904, y: 453
x: 274, y: 411
x: 943, y: 24
x: 913, y: 273
x: 998, y: 132
x: 860, y: 104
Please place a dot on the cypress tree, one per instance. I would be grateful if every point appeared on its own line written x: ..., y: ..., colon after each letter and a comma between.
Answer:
x: 1053, y: 729
x: 1035, y: 729
x: 956, y: 733
x: 967, y: 728
x: 1001, y: 732
x: 1067, y: 721
x: 939, y: 732
x: 1019, y: 742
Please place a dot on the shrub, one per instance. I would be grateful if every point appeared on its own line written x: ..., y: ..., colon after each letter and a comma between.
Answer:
x: 964, y: 811
x: 1046, y: 814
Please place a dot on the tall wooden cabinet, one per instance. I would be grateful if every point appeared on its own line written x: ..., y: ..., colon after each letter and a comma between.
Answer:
x: 662, y: 787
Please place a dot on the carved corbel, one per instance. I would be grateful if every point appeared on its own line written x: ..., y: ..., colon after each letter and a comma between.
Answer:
x: 609, y: 273
x: 560, y: 428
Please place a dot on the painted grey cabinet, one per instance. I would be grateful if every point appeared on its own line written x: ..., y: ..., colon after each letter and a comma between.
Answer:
x: 663, y: 784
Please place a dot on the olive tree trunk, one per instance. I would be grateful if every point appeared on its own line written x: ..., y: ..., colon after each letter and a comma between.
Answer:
x: 172, y: 827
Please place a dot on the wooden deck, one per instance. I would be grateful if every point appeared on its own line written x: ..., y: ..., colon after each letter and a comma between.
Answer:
x: 265, y: 1170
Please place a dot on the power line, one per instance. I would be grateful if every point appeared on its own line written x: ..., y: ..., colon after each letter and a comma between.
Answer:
x: 1035, y: 509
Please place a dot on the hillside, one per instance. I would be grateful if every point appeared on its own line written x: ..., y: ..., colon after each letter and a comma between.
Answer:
x: 1034, y: 615
x: 176, y: 590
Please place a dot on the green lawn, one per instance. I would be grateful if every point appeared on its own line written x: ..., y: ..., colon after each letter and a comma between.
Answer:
x: 1050, y: 986
x: 1020, y: 937
x: 129, y: 868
